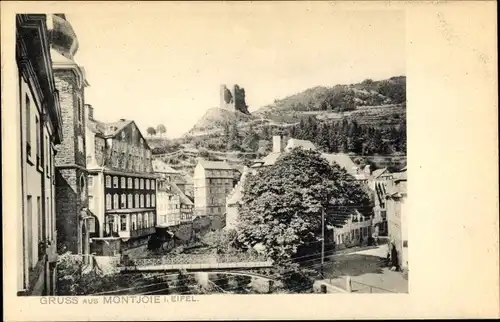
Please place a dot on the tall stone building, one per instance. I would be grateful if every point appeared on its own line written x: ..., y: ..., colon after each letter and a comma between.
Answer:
x: 121, y: 185
x: 71, y: 173
x: 39, y: 124
x: 213, y: 182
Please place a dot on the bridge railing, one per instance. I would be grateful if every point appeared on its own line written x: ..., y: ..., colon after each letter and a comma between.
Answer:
x: 209, y: 260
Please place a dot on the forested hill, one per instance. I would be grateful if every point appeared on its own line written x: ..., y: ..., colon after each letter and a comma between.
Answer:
x: 340, y: 98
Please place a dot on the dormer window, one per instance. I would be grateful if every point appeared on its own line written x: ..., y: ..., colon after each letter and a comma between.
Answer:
x: 123, y: 135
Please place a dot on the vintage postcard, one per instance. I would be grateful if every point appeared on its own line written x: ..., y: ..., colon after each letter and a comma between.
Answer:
x: 248, y: 160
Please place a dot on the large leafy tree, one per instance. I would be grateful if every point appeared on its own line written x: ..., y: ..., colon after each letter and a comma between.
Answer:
x: 282, y: 205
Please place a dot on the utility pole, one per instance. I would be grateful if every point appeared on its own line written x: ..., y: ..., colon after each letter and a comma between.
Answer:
x: 322, y: 240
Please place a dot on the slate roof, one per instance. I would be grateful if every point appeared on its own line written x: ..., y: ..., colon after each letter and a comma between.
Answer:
x: 343, y: 160
x: 107, y: 129
x: 215, y: 165
x: 305, y: 144
x: 160, y: 166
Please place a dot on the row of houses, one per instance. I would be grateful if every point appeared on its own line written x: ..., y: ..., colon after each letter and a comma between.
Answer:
x: 87, y: 186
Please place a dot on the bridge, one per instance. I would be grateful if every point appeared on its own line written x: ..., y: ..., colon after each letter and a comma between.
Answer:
x: 161, y: 265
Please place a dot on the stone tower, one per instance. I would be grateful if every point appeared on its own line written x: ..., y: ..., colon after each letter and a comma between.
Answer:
x: 70, y: 160
x: 227, y: 98
x: 233, y: 99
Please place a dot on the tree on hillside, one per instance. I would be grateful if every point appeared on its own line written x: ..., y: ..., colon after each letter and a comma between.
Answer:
x: 161, y: 129
x: 151, y: 131
x: 282, y: 205
x: 266, y: 132
x: 234, y: 142
x: 251, y: 141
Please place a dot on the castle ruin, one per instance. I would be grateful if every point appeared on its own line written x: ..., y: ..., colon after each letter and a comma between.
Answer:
x: 233, y: 99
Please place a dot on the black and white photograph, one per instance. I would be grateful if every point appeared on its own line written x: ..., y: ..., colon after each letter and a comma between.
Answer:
x: 235, y: 170
x: 183, y: 151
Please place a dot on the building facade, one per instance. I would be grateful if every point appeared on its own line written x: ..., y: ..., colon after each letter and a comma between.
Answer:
x: 121, y: 185
x: 71, y: 173
x: 397, y: 218
x: 40, y: 130
x: 213, y: 182
x: 173, y: 206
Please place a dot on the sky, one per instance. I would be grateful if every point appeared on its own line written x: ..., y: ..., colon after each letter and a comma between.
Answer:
x: 164, y: 64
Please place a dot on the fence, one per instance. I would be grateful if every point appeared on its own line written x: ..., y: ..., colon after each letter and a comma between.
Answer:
x: 358, y: 287
x: 182, y: 259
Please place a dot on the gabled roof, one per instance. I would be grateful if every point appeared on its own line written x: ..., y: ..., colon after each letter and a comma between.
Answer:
x: 271, y: 158
x: 305, y: 144
x: 377, y: 173
x: 214, y: 165
x: 177, y: 191
x: 107, y: 129
x: 343, y: 160
x: 160, y: 166
x: 237, y: 192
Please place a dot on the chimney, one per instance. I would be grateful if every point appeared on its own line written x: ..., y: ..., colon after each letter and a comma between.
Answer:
x: 89, y: 112
x: 277, y: 144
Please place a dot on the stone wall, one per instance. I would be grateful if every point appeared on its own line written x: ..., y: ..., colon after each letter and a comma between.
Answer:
x: 66, y: 84
x: 67, y: 211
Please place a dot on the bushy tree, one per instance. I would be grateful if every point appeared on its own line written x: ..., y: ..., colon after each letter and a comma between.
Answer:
x: 282, y: 205
x: 151, y: 131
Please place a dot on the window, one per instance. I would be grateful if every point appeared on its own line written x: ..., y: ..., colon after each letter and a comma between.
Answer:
x: 38, y: 141
x: 146, y: 220
x: 153, y: 185
x: 115, y: 182
x: 28, y: 125
x: 123, y: 222
x: 151, y: 219
x: 108, y: 181
x: 147, y: 184
x: 142, y: 201
x: 90, y: 182
x: 123, y: 183
x: 136, y: 183
x: 108, y: 201
x: 137, y: 205
x: 124, y: 201
x: 142, y: 183
x: 134, y: 222
x: 46, y: 156
x: 148, y: 201
x: 80, y: 143
x: 130, y: 186
x: 91, y: 224
x: 115, y: 220
x: 139, y: 221
x: 83, y: 192
x: 115, y: 201
x: 80, y: 111
x: 91, y: 203
x: 130, y: 201
x: 153, y: 201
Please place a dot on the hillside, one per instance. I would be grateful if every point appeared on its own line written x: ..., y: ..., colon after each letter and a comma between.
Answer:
x: 367, y: 120
x: 337, y: 99
x: 214, y: 119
